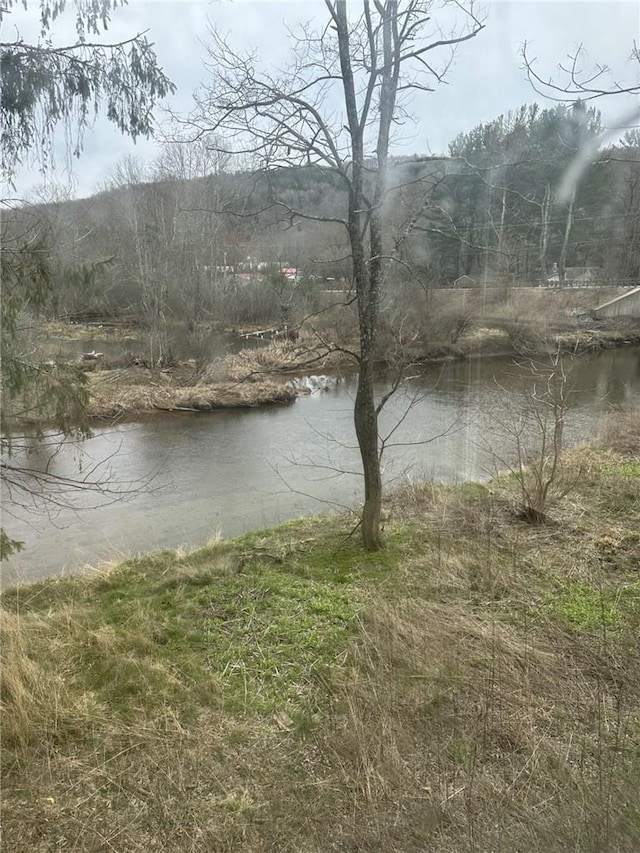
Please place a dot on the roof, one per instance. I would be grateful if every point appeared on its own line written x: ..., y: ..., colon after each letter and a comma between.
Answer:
x: 573, y: 273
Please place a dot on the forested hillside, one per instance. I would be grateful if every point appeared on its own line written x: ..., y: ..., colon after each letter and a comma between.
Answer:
x: 195, y: 237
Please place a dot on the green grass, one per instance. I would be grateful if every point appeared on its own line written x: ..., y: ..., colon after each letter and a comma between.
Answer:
x: 246, y: 636
x: 588, y: 607
x: 474, y: 686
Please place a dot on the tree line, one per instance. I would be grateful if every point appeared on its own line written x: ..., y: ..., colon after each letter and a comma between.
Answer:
x: 170, y: 239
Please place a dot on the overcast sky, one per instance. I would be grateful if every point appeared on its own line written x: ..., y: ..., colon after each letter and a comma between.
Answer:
x: 486, y: 80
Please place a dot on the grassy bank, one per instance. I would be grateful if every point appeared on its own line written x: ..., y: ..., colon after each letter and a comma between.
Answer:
x: 252, y: 377
x: 473, y: 687
x: 137, y: 391
x: 258, y: 377
x: 448, y: 324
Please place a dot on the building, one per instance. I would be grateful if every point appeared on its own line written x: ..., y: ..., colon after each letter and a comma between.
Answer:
x: 627, y: 305
x: 576, y: 277
x: 465, y: 281
x: 291, y: 274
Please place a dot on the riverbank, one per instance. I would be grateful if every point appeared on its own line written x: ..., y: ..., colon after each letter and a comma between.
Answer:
x: 137, y: 391
x: 250, y: 378
x: 127, y: 387
x: 474, y: 686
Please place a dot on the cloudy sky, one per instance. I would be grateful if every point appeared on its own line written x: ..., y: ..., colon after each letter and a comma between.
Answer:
x: 486, y: 80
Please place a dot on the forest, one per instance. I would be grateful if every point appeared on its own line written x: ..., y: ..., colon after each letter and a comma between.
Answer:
x: 199, y: 236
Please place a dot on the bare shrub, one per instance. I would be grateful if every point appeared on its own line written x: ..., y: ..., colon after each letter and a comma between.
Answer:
x: 451, y: 325
x: 531, y: 433
x: 524, y: 336
x: 338, y: 322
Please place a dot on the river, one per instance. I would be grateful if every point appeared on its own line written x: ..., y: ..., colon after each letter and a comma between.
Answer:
x: 178, y: 480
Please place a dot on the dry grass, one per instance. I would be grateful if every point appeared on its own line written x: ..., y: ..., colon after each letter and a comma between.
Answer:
x: 484, y: 323
x: 126, y: 392
x: 532, y: 319
x: 441, y: 324
x: 556, y: 304
x: 621, y: 433
x: 309, y: 354
x: 485, y: 737
x: 81, y: 331
x: 474, y: 687
x: 253, y: 377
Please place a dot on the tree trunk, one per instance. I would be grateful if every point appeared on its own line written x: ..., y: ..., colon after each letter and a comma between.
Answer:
x: 365, y: 414
x: 562, y: 266
x: 366, y: 422
x: 367, y: 266
x: 502, y: 263
x: 544, y: 231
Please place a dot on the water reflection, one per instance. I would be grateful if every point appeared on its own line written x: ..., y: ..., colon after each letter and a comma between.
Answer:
x: 187, y: 478
x: 204, y: 343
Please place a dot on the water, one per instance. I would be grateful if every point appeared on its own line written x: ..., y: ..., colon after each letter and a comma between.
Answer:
x: 178, y: 480
x: 205, y: 343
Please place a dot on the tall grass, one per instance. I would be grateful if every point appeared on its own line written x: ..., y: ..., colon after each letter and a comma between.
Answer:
x: 474, y: 687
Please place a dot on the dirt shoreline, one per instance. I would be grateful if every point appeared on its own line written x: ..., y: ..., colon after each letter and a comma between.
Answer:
x: 256, y: 378
x: 124, y: 387
x: 116, y: 401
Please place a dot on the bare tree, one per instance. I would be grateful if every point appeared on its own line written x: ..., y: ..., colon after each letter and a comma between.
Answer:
x: 574, y: 83
x: 531, y: 433
x: 195, y: 172
x: 335, y: 107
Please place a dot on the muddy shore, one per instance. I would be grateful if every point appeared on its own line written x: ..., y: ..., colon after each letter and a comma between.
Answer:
x: 126, y: 386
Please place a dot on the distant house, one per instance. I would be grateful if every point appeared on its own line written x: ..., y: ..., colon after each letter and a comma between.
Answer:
x: 465, y: 281
x: 291, y: 273
x: 576, y: 277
